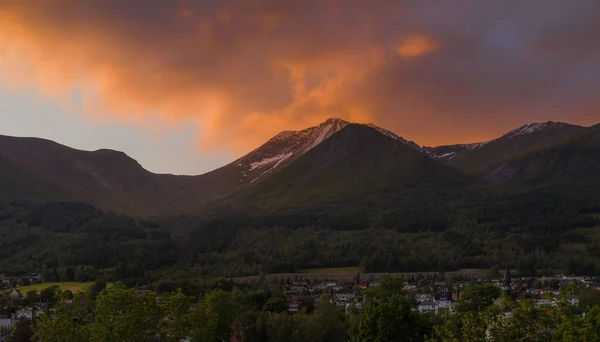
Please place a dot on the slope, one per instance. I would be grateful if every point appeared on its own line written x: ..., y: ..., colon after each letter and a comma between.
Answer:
x: 574, y: 163
x: 477, y: 158
x: 356, y: 161
x: 38, y: 169
x: 363, y: 198
x: 356, y: 177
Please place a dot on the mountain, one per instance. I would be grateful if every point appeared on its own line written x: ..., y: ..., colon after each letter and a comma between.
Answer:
x: 361, y: 197
x: 106, y: 178
x: 356, y: 166
x: 287, y: 146
x: 346, y: 195
x: 479, y: 157
x: 38, y: 169
x: 575, y: 162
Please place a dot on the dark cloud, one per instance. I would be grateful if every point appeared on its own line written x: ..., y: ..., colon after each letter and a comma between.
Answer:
x: 435, y: 71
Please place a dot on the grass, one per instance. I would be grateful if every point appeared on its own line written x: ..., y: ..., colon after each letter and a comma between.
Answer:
x: 71, y: 286
x: 334, y: 270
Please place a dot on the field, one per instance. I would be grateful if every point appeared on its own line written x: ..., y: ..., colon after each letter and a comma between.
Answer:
x: 337, y: 270
x: 71, y: 286
x: 349, y: 274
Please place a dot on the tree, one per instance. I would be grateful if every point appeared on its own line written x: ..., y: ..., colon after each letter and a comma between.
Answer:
x: 176, y: 325
x: 69, y: 322
x: 392, y: 320
x: 222, y: 305
x: 122, y: 315
x: 328, y: 323
x: 69, y: 274
x: 275, y: 304
x: 32, y: 295
x: 477, y: 298
x: 48, y: 294
x: 97, y: 287
x: 589, y: 298
x: 204, y: 324
x: 22, y: 332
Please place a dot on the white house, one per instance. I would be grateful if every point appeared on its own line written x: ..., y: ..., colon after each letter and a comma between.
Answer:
x: 344, y: 296
x: 444, y: 303
x: 574, y: 300
x: 423, y: 297
x: 428, y: 306
x: 4, y: 322
x: 542, y: 302
x: 25, y: 314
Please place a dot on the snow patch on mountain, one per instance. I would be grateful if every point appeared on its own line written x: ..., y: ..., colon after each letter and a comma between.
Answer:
x: 286, y: 146
x: 266, y: 161
x: 531, y: 128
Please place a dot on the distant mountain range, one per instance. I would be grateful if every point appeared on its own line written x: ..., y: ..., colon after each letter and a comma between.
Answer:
x: 337, y: 194
x: 37, y: 169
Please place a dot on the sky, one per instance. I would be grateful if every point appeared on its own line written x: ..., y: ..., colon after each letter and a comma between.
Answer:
x: 185, y: 86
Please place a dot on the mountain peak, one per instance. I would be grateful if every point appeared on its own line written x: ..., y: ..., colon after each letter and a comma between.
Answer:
x: 533, y: 128
x: 286, y: 146
x: 334, y: 120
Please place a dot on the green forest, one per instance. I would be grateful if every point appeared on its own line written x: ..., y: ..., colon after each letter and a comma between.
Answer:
x: 541, y: 231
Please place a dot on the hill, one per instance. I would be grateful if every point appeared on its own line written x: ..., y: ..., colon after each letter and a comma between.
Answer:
x: 42, y: 170
x: 479, y: 157
x: 573, y: 163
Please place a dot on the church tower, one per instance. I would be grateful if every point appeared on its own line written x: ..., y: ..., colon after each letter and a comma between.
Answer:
x: 506, y: 282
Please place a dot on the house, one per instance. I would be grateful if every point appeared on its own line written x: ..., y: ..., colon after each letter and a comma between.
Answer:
x: 574, y: 300
x: 373, y: 284
x: 344, y: 297
x: 14, y: 294
x: 5, y: 323
x: 423, y: 297
x: 363, y: 286
x: 428, y: 306
x: 25, y: 314
x: 444, y: 303
x: 540, y: 300
x: 293, y: 308
x: 35, y: 278
x: 299, y: 302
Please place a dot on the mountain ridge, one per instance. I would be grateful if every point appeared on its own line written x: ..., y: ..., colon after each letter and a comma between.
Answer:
x: 113, y: 180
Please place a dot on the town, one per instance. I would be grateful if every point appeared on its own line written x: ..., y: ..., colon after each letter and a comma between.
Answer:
x: 428, y: 294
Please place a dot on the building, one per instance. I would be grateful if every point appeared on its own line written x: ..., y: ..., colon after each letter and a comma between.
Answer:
x: 5, y: 323
x: 574, y: 300
x: 444, y: 303
x: 423, y: 297
x: 344, y: 297
x: 428, y: 306
x: 25, y: 314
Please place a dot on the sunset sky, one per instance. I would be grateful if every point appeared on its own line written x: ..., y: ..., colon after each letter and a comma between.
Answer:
x: 185, y: 86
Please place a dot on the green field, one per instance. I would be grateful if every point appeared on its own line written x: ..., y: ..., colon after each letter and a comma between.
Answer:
x: 335, y: 270
x: 71, y: 286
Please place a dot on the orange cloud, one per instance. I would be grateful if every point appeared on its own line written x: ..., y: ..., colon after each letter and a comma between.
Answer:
x: 241, y: 71
x: 417, y: 45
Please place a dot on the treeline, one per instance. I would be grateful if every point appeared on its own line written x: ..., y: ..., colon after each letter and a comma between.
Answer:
x: 427, y: 231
